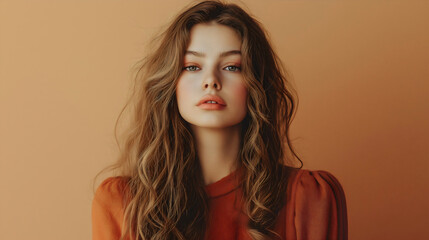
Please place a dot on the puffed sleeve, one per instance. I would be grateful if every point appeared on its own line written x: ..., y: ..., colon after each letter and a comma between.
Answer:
x: 320, y: 207
x: 107, y: 209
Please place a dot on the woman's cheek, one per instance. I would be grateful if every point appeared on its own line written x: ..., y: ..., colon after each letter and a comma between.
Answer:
x: 183, y: 92
x: 240, y: 93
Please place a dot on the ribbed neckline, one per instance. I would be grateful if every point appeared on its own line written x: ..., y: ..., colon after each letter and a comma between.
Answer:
x: 224, y: 185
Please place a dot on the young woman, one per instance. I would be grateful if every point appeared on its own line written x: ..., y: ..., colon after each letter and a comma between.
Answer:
x: 208, y: 155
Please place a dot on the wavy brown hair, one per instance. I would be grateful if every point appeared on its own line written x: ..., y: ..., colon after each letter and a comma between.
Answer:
x: 166, y: 197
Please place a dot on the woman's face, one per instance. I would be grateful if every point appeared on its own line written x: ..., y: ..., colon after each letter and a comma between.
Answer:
x: 212, y: 68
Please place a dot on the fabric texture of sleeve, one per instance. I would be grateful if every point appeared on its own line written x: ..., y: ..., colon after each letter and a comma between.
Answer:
x: 107, y: 210
x: 320, y: 207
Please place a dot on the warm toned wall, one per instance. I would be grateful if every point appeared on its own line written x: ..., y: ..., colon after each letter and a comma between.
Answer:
x: 361, y: 69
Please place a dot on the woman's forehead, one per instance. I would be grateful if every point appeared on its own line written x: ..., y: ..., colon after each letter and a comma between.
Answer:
x: 206, y: 37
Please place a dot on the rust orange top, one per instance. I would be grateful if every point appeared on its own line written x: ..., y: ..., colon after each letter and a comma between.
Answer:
x: 315, y: 209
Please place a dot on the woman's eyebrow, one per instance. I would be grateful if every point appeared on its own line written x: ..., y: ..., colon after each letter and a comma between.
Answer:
x: 223, y: 54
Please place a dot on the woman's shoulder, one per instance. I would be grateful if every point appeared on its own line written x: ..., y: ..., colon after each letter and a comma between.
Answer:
x: 314, y: 182
x: 108, y: 208
x: 317, y: 203
x: 111, y: 191
x: 310, y: 178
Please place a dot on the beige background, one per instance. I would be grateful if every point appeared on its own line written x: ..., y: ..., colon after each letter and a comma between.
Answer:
x: 361, y: 69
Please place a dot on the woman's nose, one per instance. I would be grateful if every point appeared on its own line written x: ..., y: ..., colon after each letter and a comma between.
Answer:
x: 212, y: 80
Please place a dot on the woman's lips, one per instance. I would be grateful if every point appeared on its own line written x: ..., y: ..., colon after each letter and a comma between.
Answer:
x: 211, y: 106
x: 211, y: 97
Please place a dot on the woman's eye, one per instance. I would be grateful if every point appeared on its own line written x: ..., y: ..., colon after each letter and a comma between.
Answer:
x: 194, y: 68
x: 191, y: 68
x: 233, y: 68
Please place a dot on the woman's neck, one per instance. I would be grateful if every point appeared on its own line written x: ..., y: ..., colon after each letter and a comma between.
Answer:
x: 217, y: 150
